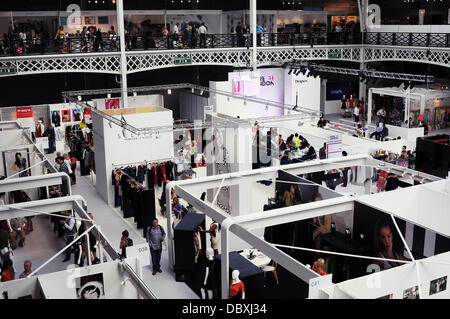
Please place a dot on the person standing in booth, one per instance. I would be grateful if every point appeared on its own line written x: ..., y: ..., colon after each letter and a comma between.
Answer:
x: 155, y: 237
x: 50, y: 133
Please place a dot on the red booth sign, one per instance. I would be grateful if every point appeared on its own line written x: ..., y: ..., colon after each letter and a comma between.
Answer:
x: 24, y: 112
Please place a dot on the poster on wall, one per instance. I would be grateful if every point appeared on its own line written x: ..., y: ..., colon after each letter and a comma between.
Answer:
x: 76, y: 115
x: 390, y: 296
x: 411, y: 293
x: 66, y: 116
x: 87, y: 115
x: 112, y: 104
x: 15, y: 161
x: 90, y: 287
x: 438, y: 285
x: 56, y: 118
x: 246, y: 85
x: 24, y: 112
x: 89, y: 20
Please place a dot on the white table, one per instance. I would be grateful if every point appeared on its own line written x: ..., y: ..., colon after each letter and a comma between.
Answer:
x: 259, y: 261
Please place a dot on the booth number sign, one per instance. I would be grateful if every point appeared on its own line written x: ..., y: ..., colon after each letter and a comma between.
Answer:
x: 334, y: 54
x: 184, y: 60
x: 7, y: 69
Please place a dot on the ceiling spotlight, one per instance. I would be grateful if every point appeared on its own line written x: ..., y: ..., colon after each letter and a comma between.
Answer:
x: 267, y: 107
x: 290, y: 71
x: 169, y: 91
x: 110, y: 124
x: 297, y: 72
x: 192, y: 90
x: 201, y: 92
x: 79, y: 97
x: 113, y: 1
x: 134, y: 93
x: 96, y: 1
x: 125, y: 281
x: 108, y: 95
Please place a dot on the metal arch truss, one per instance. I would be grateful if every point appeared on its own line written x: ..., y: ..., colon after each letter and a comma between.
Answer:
x: 437, y: 56
x: 109, y: 62
x: 363, y: 73
x: 298, y: 113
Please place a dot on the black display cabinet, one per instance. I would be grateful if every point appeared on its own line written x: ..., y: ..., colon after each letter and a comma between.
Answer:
x: 250, y: 275
x: 433, y: 155
x: 185, y: 265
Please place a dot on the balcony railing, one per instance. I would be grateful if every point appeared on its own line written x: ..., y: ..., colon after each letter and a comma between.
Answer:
x: 74, y: 44
x: 408, y: 39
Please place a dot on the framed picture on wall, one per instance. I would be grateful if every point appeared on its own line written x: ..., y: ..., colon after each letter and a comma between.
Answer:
x: 66, y: 116
x: 103, y: 20
x: 438, y: 285
x: 15, y: 161
x: 62, y: 20
x: 89, y: 20
x: 90, y: 287
x: 411, y: 293
x: 76, y: 115
x: 75, y: 20
x: 112, y: 104
x: 56, y: 118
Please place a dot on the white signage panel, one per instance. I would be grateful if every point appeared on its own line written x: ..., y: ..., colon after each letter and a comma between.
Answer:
x: 315, y: 284
x: 141, y: 251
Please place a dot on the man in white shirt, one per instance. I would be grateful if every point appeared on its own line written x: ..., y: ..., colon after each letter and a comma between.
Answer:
x: 356, y: 113
x: 203, y: 31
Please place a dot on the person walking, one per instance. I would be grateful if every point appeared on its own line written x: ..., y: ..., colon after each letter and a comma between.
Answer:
x: 50, y: 133
x: 202, y: 31
x: 155, y: 237
x: 125, y: 241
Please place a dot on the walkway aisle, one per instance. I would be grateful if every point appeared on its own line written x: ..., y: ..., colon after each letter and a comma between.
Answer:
x: 41, y: 244
x: 163, y: 285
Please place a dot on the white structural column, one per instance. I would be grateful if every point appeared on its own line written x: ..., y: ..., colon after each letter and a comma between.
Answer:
x: 241, y: 160
x: 369, y: 107
x: 362, y: 85
x: 123, y: 58
x: 253, y: 21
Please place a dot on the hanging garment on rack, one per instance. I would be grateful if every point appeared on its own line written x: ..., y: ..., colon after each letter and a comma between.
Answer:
x: 163, y: 171
x: 160, y: 176
x: 169, y: 170
x: 150, y: 178
x: 142, y: 170
x: 155, y: 176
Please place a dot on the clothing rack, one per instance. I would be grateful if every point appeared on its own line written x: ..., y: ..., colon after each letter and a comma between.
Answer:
x: 84, y: 142
x: 146, y: 162
x: 132, y: 179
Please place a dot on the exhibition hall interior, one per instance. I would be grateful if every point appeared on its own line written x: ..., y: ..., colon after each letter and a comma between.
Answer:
x: 224, y: 150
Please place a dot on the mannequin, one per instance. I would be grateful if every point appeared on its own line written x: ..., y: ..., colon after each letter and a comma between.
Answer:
x: 208, y: 285
x: 351, y: 101
x: 237, y: 290
x: 39, y: 128
x: 344, y: 103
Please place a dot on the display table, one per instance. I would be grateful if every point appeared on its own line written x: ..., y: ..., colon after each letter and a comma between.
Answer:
x: 251, y: 275
x: 259, y: 260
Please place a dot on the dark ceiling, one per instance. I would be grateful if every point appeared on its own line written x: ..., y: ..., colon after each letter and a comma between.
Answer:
x: 47, y: 5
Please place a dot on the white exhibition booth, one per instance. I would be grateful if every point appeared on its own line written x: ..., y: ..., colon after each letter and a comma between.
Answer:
x: 115, y: 146
x: 243, y: 229
x: 423, y: 205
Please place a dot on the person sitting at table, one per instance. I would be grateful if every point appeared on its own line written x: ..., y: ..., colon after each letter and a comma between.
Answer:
x: 292, y: 196
x: 384, y: 240
x: 178, y: 209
